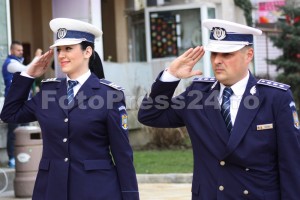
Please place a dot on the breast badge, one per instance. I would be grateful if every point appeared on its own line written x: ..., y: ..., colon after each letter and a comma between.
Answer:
x: 264, y: 127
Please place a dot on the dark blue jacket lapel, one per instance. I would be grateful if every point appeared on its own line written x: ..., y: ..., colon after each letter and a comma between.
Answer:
x: 61, y: 96
x: 86, y: 91
x: 214, y: 114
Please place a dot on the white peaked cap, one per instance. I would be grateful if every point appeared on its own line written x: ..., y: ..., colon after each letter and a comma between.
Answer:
x: 226, y: 36
x: 72, y: 31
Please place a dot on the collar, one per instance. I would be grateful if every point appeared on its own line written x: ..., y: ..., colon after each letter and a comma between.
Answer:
x: 81, y: 79
x: 238, y: 88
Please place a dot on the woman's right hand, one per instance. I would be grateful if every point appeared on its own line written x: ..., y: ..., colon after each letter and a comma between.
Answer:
x: 40, y: 67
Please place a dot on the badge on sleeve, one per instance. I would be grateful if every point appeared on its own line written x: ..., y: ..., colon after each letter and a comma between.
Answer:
x: 295, y: 115
x: 124, y: 121
x: 122, y: 108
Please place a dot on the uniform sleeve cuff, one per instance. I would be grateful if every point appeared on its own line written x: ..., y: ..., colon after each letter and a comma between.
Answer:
x: 24, y: 73
x: 167, y: 77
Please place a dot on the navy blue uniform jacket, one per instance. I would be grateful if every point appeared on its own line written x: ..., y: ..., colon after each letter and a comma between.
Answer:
x: 260, y: 160
x: 76, y: 163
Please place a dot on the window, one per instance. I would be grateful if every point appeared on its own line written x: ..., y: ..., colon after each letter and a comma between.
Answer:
x: 174, y: 31
x: 171, y: 30
x: 4, y: 38
x: 137, y: 40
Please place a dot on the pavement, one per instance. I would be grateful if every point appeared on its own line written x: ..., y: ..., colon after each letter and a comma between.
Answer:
x: 148, y: 191
x: 165, y: 191
x: 151, y: 187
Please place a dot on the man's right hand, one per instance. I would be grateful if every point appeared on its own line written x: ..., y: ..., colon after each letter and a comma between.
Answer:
x: 182, y: 67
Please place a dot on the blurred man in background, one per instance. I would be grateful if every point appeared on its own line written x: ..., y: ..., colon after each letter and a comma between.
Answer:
x: 12, y: 64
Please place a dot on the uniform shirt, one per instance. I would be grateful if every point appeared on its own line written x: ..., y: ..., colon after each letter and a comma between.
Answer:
x: 235, y: 99
x: 81, y: 80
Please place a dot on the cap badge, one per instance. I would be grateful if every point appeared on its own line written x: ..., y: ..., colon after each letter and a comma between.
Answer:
x: 219, y: 33
x: 61, y: 33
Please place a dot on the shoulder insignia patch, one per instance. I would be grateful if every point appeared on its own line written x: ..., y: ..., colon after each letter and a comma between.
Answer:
x: 274, y: 84
x: 124, y: 121
x: 110, y: 84
x: 51, y: 80
x: 205, y: 79
x: 295, y: 115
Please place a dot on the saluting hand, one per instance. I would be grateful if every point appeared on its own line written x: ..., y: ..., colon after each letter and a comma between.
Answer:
x: 182, y: 67
x: 40, y: 67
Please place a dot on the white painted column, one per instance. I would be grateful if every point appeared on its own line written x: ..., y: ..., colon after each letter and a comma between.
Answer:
x: 205, y: 39
x: 96, y: 20
x: 87, y: 11
x: 8, y: 24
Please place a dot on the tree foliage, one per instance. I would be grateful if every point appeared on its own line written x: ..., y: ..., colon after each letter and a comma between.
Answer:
x: 289, y: 41
x: 247, y: 7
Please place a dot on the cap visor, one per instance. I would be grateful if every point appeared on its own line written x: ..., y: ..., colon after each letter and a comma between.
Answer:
x: 223, y: 48
x: 67, y: 41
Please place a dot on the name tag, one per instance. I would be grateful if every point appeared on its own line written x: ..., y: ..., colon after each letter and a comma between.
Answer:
x: 264, y: 127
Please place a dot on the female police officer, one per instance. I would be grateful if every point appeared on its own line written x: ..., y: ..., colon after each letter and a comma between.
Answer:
x: 86, y: 152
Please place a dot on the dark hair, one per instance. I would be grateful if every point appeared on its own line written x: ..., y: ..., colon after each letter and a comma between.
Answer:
x: 95, y: 63
x: 15, y: 42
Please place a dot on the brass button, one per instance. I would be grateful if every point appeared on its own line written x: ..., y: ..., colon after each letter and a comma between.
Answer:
x: 222, y: 163
x: 221, y: 187
x: 66, y: 120
x: 246, y: 192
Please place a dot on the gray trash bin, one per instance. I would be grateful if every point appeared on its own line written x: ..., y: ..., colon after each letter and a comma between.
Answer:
x: 28, y: 152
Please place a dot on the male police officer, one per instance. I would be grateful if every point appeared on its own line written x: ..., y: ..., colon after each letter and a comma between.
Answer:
x: 245, y: 132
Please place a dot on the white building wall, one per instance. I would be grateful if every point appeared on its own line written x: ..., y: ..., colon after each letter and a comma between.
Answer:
x: 265, y: 50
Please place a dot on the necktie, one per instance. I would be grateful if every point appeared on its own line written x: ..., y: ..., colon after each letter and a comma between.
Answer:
x: 70, y: 91
x: 225, y: 107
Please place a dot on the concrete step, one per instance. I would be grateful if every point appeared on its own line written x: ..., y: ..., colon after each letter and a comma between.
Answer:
x: 10, y: 195
x: 165, y: 178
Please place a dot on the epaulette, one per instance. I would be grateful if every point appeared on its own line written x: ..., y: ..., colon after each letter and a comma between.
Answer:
x: 110, y: 84
x: 274, y: 84
x: 51, y: 80
x: 205, y: 79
